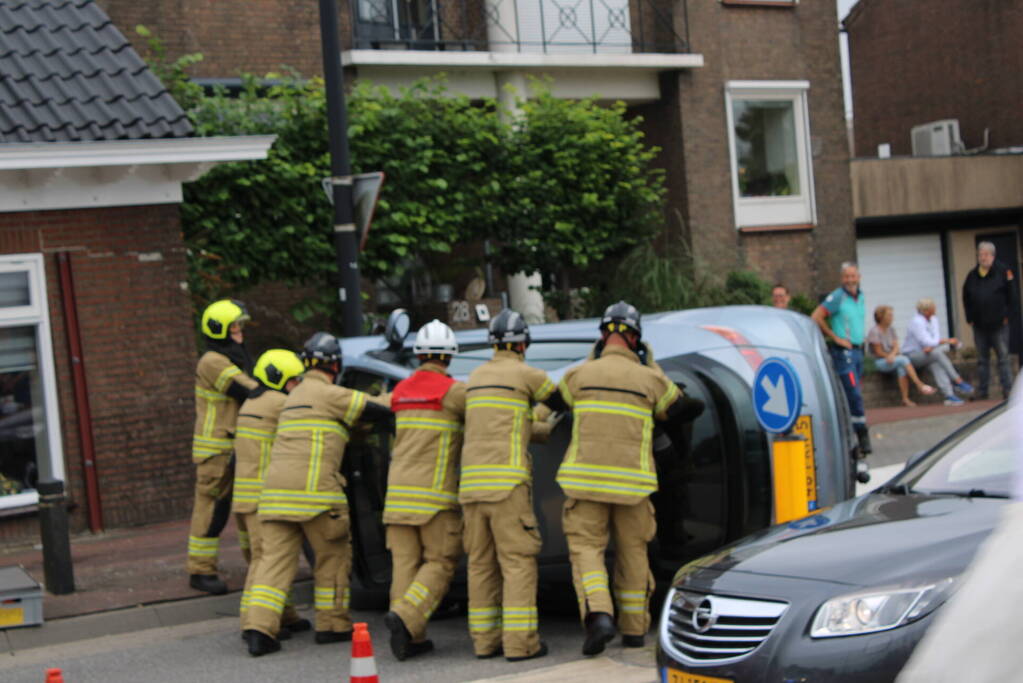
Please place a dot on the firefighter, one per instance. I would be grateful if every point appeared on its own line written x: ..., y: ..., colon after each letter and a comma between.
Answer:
x: 424, y: 525
x: 278, y: 371
x: 501, y: 535
x: 303, y: 496
x: 608, y: 475
x: 221, y: 386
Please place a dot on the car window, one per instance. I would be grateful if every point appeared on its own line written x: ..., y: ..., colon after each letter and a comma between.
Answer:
x: 982, y: 458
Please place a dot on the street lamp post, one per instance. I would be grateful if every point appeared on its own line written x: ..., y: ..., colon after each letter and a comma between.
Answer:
x: 345, y: 240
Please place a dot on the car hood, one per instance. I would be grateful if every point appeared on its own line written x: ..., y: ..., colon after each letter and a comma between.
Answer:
x: 872, y: 540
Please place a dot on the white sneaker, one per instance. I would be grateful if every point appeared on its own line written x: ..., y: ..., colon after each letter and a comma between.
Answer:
x: 954, y: 401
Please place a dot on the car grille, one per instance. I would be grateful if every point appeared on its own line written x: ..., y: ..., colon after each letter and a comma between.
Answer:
x: 722, y: 628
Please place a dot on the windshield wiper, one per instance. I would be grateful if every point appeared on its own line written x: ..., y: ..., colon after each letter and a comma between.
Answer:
x: 896, y: 489
x: 972, y: 493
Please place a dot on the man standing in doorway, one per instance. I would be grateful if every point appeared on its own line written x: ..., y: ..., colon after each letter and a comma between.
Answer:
x: 841, y: 318
x: 988, y: 298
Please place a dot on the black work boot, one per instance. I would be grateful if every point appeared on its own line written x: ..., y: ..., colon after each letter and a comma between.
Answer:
x: 541, y: 652
x: 420, y: 648
x: 298, y: 626
x: 208, y: 583
x: 400, y: 637
x: 633, y: 641
x: 324, y: 637
x: 600, y: 630
x: 260, y: 644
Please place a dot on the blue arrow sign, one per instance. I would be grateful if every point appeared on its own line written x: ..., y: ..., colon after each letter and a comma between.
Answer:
x: 814, y: 522
x: 777, y: 395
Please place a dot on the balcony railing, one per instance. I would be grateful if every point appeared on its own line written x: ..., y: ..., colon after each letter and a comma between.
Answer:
x: 531, y: 26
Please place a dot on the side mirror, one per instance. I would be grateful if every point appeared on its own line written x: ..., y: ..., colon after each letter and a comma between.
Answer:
x: 397, y: 328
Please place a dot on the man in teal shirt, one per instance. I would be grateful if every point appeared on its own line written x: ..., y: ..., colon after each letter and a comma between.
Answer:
x: 841, y: 318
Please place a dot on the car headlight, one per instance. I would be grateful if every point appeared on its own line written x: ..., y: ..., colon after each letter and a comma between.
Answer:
x: 880, y: 610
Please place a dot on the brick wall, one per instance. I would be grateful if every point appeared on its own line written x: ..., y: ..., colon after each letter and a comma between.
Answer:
x: 765, y: 43
x: 916, y: 61
x: 138, y: 350
x: 234, y: 36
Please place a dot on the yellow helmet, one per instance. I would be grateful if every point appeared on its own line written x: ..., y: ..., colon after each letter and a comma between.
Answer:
x: 220, y: 315
x: 277, y: 366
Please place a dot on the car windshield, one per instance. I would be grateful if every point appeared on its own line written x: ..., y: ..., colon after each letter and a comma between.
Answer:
x: 546, y: 355
x: 980, y: 461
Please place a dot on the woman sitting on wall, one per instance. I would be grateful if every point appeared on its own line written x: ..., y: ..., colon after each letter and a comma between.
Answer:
x: 926, y: 349
x: 883, y: 345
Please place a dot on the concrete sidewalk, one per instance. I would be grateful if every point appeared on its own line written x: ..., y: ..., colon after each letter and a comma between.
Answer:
x: 133, y: 579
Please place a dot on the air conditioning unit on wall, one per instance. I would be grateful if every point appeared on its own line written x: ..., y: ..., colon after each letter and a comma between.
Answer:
x: 937, y: 138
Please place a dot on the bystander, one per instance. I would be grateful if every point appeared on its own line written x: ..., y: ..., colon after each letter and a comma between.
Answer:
x: 989, y: 294
x: 926, y: 348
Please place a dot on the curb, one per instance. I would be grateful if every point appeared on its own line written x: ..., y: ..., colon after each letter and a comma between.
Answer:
x: 132, y: 619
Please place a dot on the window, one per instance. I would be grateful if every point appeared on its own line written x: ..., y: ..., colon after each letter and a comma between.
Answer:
x: 772, y: 177
x: 30, y: 446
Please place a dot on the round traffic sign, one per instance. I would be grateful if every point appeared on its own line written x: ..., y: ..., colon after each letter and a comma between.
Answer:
x: 777, y: 395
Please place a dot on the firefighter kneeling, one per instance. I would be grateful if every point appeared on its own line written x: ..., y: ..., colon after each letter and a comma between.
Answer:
x: 424, y: 525
x: 303, y: 495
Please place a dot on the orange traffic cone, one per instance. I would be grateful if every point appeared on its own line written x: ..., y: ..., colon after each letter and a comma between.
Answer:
x: 54, y: 676
x: 364, y: 667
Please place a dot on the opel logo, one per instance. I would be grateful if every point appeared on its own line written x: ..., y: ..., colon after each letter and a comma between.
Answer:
x: 704, y: 617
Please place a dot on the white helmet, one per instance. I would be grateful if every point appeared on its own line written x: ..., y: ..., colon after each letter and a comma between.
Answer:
x: 435, y: 338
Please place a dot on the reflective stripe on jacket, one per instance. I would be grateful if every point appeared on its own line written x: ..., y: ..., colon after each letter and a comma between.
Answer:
x: 253, y: 439
x: 498, y: 423
x: 614, y: 401
x: 215, y: 411
x: 423, y: 476
x: 304, y: 477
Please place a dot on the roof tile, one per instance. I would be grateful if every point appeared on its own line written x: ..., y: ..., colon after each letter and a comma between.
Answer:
x: 68, y: 74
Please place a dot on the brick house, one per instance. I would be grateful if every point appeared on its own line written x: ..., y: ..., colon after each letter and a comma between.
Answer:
x: 743, y: 96
x: 920, y: 214
x: 97, y: 347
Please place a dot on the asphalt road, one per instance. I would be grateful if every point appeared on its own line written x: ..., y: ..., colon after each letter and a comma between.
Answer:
x: 212, y: 651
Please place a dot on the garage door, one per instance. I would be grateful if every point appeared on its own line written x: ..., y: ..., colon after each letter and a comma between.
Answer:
x: 899, y: 271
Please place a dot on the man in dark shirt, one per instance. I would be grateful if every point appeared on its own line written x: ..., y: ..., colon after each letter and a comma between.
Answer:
x: 988, y: 297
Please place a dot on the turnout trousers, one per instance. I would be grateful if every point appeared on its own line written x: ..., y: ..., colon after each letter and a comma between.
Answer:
x: 328, y: 534
x: 250, y: 521
x: 502, y: 541
x: 588, y: 526
x: 214, y: 478
x: 423, y: 560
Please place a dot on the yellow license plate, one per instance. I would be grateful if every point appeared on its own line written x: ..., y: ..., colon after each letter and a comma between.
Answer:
x: 676, y: 676
x: 12, y: 616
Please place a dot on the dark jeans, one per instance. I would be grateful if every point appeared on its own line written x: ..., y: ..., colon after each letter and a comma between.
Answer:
x: 848, y: 364
x: 987, y: 340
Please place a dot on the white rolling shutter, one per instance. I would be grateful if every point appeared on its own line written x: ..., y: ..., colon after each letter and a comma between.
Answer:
x: 899, y: 271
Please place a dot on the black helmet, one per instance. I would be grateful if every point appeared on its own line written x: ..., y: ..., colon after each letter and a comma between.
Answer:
x: 508, y: 327
x: 321, y: 348
x: 620, y: 317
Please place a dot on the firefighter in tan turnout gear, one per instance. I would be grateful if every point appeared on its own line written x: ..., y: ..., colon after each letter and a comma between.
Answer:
x: 608, y: 475
x: 303, y: 495
x: 424, y: 525
x: 502, y: 539
x: 278, y: 372
x: 221, y: 386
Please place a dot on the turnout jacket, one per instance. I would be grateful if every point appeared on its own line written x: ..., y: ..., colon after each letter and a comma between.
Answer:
x: 304, y: 477
x: 254, y: 437
x: 498, y: 425
x: 422, y: 480
x: 215, y: 410
x: 614, y: 400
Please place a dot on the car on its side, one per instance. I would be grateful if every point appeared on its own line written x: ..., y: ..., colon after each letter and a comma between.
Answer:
x: 719, y: 490
x: 847, y: 593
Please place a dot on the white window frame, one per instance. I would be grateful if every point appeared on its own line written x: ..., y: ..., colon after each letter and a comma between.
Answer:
x: 762, y: 212
x: 37, y: 314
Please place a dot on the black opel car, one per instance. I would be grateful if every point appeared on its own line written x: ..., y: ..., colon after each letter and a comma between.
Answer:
x: 845, y: 594
x: 719, y: 491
